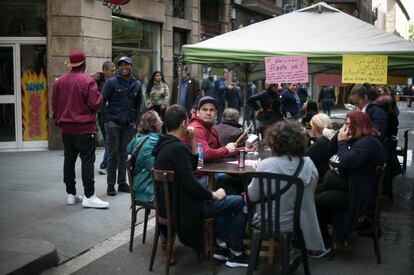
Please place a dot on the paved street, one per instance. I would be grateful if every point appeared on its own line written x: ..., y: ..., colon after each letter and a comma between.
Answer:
x: 90, y: 241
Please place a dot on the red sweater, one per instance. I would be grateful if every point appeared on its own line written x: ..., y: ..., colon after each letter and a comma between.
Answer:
x: 75, y: 101
x: 207, y: 135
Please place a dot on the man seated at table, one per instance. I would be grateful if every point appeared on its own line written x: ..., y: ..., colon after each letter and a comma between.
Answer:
x: 205, y: 132
x: 192, y: 201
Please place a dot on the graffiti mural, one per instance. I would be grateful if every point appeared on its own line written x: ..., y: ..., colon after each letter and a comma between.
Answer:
x: 34, y: 106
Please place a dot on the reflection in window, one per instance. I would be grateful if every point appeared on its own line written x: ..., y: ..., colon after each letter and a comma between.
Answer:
x: 139, y: 40
x: 23, y: 18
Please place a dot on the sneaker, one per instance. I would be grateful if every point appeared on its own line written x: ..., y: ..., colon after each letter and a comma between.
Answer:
x: 110, y: 190
x: 238, y: 261
x: 123, y: 188
x: 318, y: 254
x: 102, y: 171
x: 94, y: 202
x: 221, y: 254
x: 73, y: 199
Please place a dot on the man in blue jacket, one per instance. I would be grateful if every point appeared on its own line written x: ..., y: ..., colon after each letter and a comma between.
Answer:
x: 122, y: 100
x: 291, y: 102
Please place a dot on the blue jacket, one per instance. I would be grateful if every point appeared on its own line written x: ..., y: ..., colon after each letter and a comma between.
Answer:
x: 289, y: 104
x: 122, y: 100
x: 142, y: 181
x: 378, y: 117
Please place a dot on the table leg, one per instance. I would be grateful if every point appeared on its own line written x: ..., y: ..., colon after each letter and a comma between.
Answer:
x: 210, y: 182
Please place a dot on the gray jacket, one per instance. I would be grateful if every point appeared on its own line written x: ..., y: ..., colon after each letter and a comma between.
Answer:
x: 308, y: 219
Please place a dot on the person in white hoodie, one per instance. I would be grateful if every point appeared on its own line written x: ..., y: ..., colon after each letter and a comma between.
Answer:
x: 288, y: 141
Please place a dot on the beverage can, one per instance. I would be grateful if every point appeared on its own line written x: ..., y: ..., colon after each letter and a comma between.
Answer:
x: 241, y: 159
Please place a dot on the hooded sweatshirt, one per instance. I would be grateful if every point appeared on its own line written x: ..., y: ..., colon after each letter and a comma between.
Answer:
x: 207, y: 135
x: 187, y: 194
x: 308, y: 220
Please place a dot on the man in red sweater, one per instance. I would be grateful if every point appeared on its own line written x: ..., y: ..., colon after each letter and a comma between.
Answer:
x: 75, y: 101
x: 205, y: 132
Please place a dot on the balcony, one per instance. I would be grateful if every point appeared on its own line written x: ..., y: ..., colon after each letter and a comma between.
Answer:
x: 267, y: 7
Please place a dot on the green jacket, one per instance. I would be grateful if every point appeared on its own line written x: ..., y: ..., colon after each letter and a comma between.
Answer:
x: 144, y: 162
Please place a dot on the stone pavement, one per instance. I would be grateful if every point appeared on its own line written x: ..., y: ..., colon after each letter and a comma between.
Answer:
x: 39, y: 230
x: 37, y: 224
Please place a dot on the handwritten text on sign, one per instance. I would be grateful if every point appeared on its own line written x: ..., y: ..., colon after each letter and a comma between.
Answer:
x: 286, y: 69
x: 364, y: 68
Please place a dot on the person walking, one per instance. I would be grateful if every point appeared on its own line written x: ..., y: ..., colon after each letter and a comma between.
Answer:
x: 108, y: 71
x: 75, y: 101
x: 327, y: 98
x: 207, y: 85
x: 122, y: 96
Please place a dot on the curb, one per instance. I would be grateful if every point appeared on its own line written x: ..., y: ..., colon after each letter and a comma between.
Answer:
x: 27, y: 256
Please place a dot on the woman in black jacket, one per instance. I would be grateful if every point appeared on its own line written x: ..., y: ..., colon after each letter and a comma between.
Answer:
x: 267, y: 105
x: 348, y: 189
x: 318, y: 151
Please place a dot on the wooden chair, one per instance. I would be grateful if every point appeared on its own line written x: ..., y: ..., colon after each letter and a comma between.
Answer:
x: 402, y: 151
x: 269, y: 228
x: 373, y: 216
x: 136, y: 206
x: 161, y: 180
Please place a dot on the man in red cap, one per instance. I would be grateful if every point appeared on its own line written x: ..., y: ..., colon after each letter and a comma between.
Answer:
x: 75, y: 101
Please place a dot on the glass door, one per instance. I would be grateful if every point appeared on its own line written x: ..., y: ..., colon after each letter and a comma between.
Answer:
x: 23, y: 96
x: 8, y: 98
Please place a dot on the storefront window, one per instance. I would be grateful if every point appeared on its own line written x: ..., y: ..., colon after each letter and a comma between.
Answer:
x: 23, y: 18
x: 141, y: 41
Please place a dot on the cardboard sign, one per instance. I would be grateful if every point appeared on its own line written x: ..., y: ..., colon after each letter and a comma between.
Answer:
x: 286, y: 69
x: 364, y: 68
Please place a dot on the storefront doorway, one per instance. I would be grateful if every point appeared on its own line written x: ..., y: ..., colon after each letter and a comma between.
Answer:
x: 23, y: 93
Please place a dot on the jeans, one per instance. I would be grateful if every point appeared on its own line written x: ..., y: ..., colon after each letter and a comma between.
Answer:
x: 84, y: 146
x: 228, y: 183
x: 331, y: 197
x: 118, y: 139
x: 101, y: 124
x: 327, y: 104
x: 229, y: 217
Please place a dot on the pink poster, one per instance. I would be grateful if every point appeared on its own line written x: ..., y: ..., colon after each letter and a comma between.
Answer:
x: 286, y: 69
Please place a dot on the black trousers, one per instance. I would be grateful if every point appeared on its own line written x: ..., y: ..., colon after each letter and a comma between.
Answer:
x: 84, y: 146
x: 118, y: 139
x: 331, y: 198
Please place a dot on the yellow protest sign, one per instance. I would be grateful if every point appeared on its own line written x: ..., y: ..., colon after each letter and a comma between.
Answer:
x: 364, y: 68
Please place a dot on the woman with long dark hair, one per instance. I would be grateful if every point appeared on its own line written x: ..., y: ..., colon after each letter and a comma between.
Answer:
x: 349, y: 187
x: 157, y: 94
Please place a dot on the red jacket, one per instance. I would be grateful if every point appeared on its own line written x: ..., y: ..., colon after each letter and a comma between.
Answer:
x: 207, y: 135
x: 75, y: 101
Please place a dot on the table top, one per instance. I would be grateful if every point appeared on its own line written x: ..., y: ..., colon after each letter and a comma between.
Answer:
x: 222, y: 166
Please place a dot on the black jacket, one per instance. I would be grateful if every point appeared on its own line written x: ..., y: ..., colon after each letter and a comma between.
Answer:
x: 320, y: 155
x: 269, y: 101
x: 378, y: 117
x: 122, y: 100
x: 186, y: 192
x: 359, y: 159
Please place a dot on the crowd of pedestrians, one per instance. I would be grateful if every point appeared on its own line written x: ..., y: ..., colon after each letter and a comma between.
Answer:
x: 337, y: 168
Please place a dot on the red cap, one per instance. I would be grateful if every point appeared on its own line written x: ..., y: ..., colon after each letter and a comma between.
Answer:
x: 76, y: 59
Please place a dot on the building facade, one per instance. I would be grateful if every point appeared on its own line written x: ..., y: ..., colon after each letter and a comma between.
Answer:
x: 39, y: 35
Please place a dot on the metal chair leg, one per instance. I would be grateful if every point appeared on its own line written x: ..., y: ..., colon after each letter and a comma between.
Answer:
x: 284, y: 254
